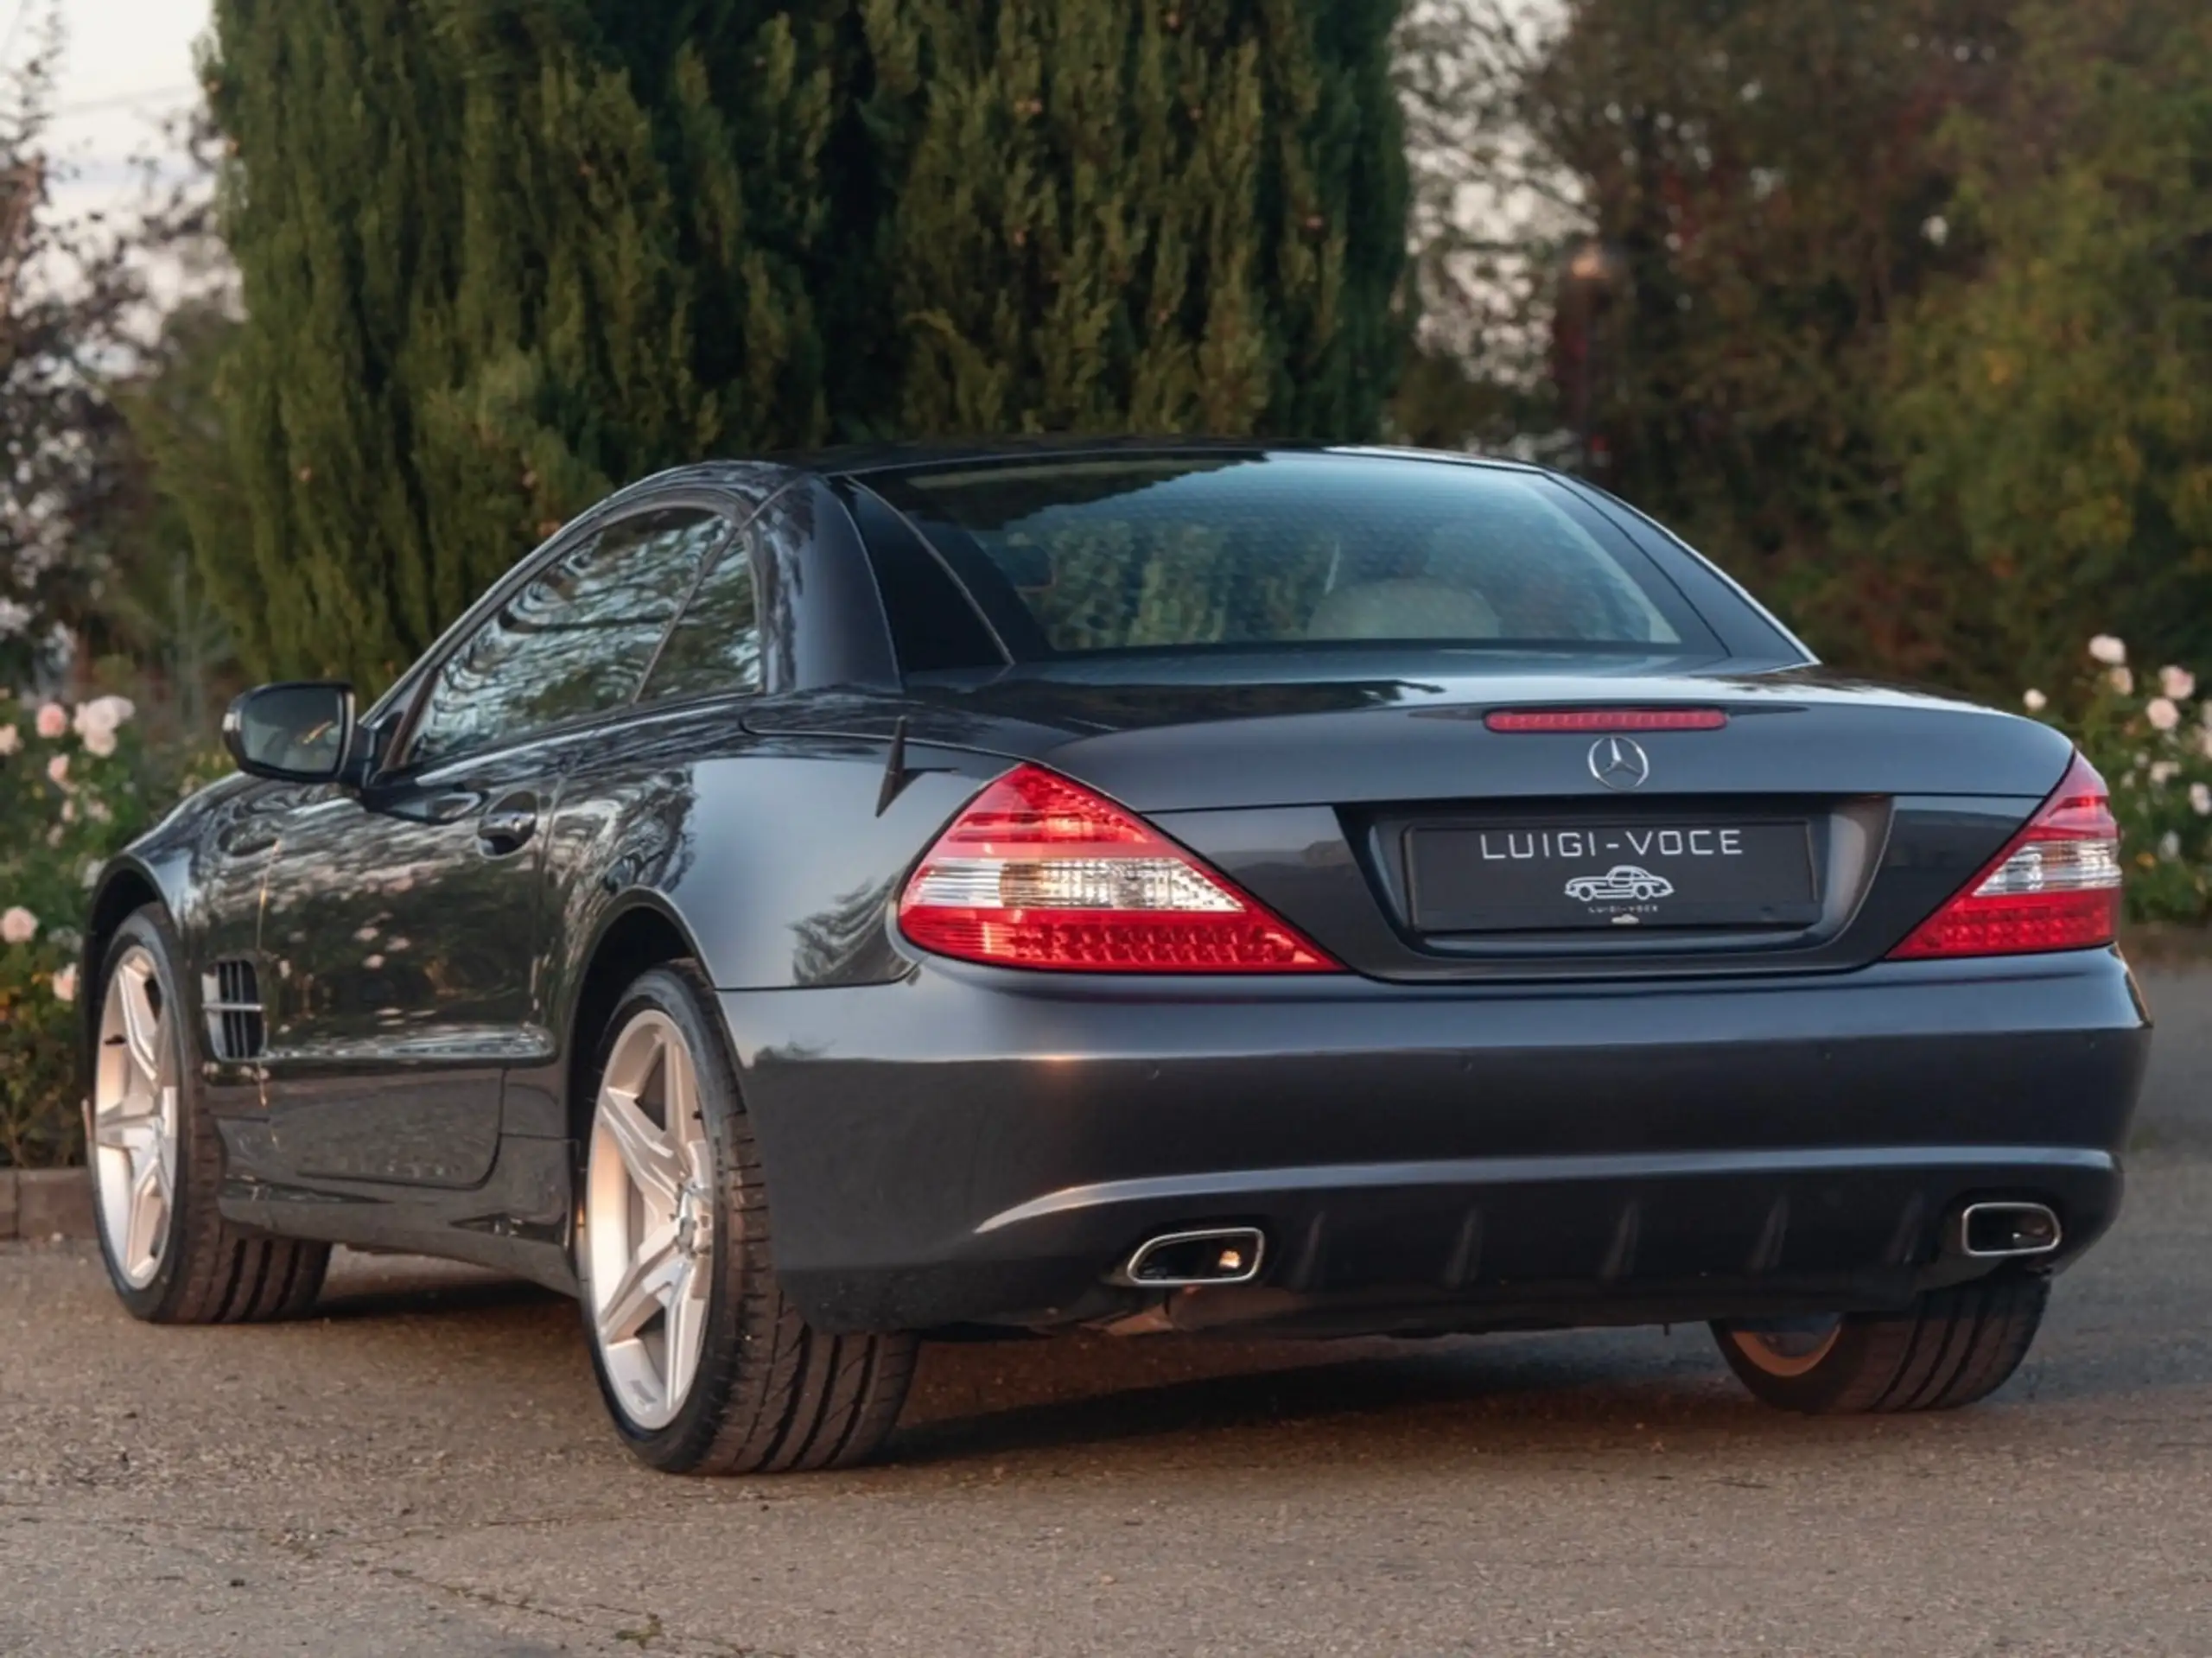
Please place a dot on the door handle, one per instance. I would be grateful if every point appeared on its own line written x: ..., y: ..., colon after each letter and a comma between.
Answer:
x: 446, y: 809
x: 505, y: 829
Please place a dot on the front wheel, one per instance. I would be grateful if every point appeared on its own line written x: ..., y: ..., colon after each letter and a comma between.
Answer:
x: 157, y: 1159
x: 1951, y: 1347
x: 705, y: 1367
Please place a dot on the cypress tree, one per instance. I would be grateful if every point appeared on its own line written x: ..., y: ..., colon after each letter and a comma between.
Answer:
x: 498, y: 257
x: 501, y: 255
x: 344, y: 216
x: 1185, y: 215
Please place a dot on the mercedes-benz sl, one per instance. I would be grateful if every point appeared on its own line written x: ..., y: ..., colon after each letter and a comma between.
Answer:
x: 1151, y: 887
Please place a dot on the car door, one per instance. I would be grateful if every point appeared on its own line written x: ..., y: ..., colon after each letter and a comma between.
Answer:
x: 403, y: 922
x: 629, y: 812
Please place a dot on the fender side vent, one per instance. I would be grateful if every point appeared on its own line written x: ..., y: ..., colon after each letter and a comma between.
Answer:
x: 231, y: 998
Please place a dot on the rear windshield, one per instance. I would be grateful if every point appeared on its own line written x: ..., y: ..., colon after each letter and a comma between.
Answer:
x: 1102, y: 554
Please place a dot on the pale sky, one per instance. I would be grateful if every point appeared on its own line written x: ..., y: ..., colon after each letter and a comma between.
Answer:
x: 128, y: 65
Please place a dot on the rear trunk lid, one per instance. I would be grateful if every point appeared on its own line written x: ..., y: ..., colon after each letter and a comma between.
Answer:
x: 1389, y: 823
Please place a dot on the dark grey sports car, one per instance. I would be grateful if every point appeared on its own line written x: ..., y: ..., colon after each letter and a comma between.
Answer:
x: 1160, y: 887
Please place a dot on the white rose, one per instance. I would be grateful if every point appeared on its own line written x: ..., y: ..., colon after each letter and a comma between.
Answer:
x: 57, y: 769
x: 2169, y: 846
x: 103, y: 715
x: 2107, y: 650
x: 2034, y: 700
x: 99, y: 742
x: 93, y: 867
x: 18, y: 926
x: 65, y: 985
x: 2165, y: 771
x: 2200, y: 800
x: 2177, y: 683
x: 2162, y: 714
x: 11, y: 740
x: 2122, y: 681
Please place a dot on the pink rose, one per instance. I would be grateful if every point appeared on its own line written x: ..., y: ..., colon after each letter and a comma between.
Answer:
x: 58, y: 767
x: 53, y: 720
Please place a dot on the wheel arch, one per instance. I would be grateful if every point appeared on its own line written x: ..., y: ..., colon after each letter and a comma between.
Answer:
x: 642, y: 934
x: 126, y: 886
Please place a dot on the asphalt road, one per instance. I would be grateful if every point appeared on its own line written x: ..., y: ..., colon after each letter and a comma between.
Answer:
x: 425, y: 1469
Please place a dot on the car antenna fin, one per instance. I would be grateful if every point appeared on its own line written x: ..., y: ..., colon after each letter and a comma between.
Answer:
x: 896, y: 777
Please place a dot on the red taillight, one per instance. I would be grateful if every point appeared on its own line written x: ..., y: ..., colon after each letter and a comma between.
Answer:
x: 1601, y: 719
x: 2055, y: 887
x: 1039, y: 872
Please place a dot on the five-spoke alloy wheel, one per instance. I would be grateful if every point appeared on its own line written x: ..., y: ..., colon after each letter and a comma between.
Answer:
x: 649, y: 1222
x: 135, y: 1118
x: 157, y: 1158
x: 706, y: 1367
x: 1950, y: 1347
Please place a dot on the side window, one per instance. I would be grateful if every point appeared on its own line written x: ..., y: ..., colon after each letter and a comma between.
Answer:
x: 573, y: 640
x: 716, y: 647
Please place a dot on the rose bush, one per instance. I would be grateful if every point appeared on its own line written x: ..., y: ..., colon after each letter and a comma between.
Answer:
x: 2153, y: 740
x: 74, y: 785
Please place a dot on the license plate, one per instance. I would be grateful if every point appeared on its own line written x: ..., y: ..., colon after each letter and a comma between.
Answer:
x: 1548, y: 877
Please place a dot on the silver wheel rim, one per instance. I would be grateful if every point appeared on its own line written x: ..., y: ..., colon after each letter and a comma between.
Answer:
x: 649, y: 1222
x: 1789, y: 1349
x: 135, y: 1120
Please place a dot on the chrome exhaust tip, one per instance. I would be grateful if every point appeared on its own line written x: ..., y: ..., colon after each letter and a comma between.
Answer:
x: 2004, y: 1231
x: 1214, y: 1255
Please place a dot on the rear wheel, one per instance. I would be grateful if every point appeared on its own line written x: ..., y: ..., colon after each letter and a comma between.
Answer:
x: 705, y: 1367
x: 1951, y: 1347
x: 157, y: 1161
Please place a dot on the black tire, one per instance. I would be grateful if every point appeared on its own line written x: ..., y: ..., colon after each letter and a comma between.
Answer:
x: 212, y: 1271
x: 771, y: 1393
x: 1952, y: 1347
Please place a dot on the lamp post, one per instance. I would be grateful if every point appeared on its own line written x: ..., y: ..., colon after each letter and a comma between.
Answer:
x: 1592, y: 277
x: 21, y: 187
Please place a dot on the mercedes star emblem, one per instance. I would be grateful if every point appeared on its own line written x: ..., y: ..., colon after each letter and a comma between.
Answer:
x: 1619, y: 762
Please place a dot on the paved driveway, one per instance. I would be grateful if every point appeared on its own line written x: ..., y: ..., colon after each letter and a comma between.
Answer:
x: 424, y: 1470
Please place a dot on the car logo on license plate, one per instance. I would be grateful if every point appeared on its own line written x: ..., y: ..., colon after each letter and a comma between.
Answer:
x: 1624, y: 883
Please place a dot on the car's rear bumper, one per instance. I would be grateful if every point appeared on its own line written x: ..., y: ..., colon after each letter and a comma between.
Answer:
x: 982, y: 1146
